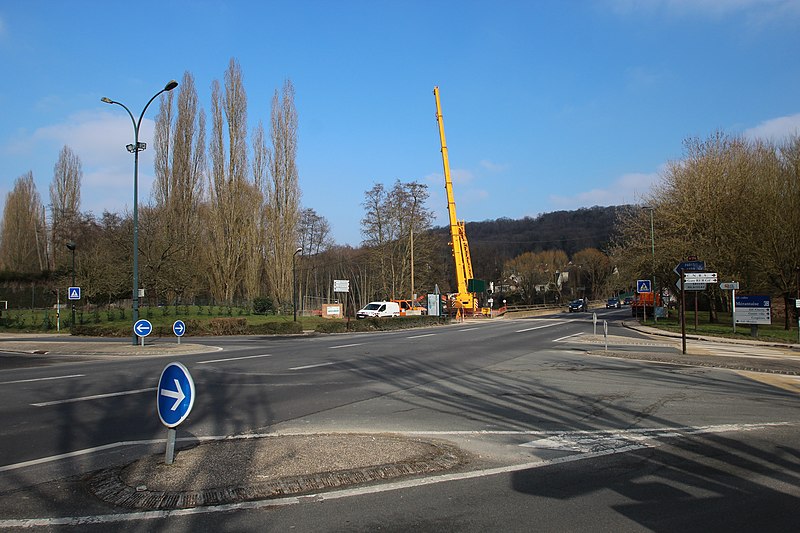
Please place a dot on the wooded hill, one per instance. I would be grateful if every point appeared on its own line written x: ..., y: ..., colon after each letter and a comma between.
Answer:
x: 492, y: 242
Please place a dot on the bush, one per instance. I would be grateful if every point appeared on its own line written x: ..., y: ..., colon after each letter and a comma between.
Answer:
x: 262, y: 305
x: 275, y: 328
x: 331, y: 326
x: 227, y: 326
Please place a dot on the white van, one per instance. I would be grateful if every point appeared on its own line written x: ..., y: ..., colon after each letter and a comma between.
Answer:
x: 379, y: 309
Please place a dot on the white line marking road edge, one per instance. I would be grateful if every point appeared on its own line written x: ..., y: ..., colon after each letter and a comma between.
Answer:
x: 233, y: 359
x: 41, y: 379
x: 94, y: 397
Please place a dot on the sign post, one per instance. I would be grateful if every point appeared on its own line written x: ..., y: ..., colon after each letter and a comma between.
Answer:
x: 179, y: 328
x: 174, y: 400
x: 731, y: 286
x: 643, y: 286
x: 142, y: 328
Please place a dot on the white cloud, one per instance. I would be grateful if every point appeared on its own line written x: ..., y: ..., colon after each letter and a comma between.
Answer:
x: 98, y: 137
x: 627, y: 189
x: 492, y: 166
x: 758, y: 11
x: 775, y: 129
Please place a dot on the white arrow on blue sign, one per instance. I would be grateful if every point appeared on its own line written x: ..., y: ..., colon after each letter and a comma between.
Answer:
x: 175, y: 394
x: 643, y: 285
x: 74, y: 293
x: 179, y: 328
x: 142, y: 327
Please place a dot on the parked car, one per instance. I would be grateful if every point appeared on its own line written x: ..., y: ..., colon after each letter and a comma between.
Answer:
x: 627, y: 300
x: 379, y: 309
x: 613, y: 303
x: 578, y: 305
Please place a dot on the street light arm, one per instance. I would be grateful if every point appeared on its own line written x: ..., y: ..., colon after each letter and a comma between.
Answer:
x: 123, y: 106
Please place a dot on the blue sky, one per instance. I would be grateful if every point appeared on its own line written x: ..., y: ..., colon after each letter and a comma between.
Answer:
x: 547, y: 105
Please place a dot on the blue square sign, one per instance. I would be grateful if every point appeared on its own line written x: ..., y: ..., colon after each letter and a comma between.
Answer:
x: 643, y: 285
x: 74, y: 293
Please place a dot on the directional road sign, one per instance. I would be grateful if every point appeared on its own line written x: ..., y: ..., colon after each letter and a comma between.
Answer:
x: 731, y: 286
x: 179, y: 328
x: 142, y: 328
x: 175, y: 394
x: 643, y: 285
x: 700, y: 277
x: 691, y: 286
x: 688, y: 266
x: 74, y: 293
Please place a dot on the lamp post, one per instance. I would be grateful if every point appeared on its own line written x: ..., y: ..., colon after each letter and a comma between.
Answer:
x: 135, y: 148
x: 294, y: 283
x: 71, y: 246
x: 653, y: 247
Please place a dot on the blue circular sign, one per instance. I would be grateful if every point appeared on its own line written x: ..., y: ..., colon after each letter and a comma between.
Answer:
x: 179, y: 328
x: 175, y: 394
x: 142, y: 327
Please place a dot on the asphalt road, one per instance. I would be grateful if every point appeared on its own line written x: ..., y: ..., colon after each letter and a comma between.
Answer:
x: 561, y: 438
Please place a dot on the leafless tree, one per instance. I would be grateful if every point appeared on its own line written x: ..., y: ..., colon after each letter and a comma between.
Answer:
x: 282, y: 194
x: 23, y: 242
x: 65, y: 201
x: 232, y: 198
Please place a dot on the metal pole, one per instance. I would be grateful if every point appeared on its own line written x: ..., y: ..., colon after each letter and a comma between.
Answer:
x: 653, y: 244
x: 136, y: 147
x: 294, y: 283
x: 73, y: 284
x: 169, y: 458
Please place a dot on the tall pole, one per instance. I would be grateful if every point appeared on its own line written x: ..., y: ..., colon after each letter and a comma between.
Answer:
x: 71, y: 246
x: 294, y: 283
x: 135, y: 148
x: 653, y: 247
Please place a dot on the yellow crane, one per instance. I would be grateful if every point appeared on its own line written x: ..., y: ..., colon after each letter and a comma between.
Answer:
x: 464, y: 299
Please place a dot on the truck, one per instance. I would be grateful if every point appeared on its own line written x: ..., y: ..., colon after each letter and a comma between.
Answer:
x: 410, y: 308
x: 642, y: 303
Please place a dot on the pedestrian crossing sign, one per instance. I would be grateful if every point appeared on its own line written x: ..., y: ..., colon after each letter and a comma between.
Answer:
x: 643, y: 285
x: 74, y: 293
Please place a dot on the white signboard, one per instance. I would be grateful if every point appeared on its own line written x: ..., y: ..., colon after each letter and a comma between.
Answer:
x: 700, y: 277
x: 341, y: 285
x: 731, y: 286
x: 691, y: 286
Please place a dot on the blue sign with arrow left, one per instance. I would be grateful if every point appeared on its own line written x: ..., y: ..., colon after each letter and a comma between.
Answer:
x: 142, y: 327
x: 175, y: 394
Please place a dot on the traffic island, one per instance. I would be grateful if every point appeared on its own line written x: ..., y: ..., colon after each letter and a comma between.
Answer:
x: 257, y: 468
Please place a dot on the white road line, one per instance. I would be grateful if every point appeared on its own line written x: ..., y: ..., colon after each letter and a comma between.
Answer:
x: 560, y: 339
x: 313, y: 366
x: 346, y: 345
x: 540, y: 327
x: 29, y: 523
x: 420, y: 336
x: 234, y: 359
x: 94, y: 397
x: 42, y: 379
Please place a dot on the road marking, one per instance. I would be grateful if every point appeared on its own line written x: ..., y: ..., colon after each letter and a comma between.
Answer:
x: 234, y: 359
x: 313, y: 366
x: 561, y: 339
x: 94, y: 397
x: 42, y: 379
x: 540, y: 327
x: 346, y: 345
x: 420, y: 336
x: 29, y: 523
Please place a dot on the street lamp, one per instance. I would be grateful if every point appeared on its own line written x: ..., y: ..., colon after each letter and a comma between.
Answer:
x: 653, y: 247
x: 71, y: 246
x: 135, y: 148
x: 294, y: 283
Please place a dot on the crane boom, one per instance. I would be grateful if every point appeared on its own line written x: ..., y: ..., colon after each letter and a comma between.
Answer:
x: 458, y: 236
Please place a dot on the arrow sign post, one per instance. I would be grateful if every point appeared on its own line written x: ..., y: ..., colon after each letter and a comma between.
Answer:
x: 142, y: 328
x: 179, y: 328
x: 175, y: 398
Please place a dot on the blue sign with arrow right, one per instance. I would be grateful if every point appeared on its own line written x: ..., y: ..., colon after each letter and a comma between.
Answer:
x: 175, y: 394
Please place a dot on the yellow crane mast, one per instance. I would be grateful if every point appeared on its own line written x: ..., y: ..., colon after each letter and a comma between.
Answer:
x: 458, y: 237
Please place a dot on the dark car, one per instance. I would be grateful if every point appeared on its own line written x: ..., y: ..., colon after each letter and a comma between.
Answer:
x: 613, y: 303
x: 578, y: 305
x: 627, y: 300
